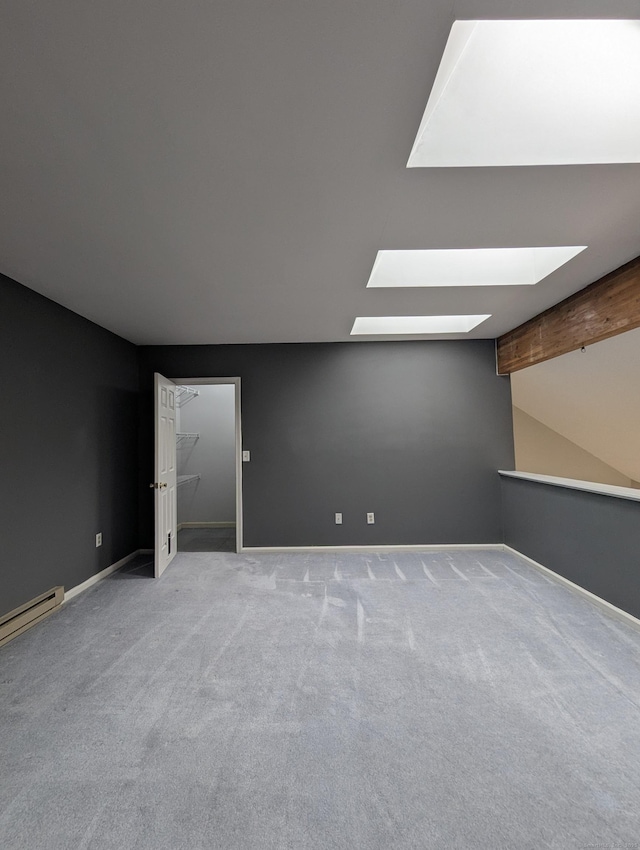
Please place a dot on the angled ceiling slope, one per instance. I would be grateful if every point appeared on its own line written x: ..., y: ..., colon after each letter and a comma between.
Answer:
x: 591, y: 398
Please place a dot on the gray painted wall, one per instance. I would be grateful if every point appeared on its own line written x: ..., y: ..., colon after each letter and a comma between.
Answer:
x: 68, y: 447
x: 211, y: 498
x: 413, y: 431
x: 591, y: 539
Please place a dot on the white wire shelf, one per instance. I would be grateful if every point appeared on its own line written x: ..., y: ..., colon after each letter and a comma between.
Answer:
x: 185, y: 394
x: 184, y: 436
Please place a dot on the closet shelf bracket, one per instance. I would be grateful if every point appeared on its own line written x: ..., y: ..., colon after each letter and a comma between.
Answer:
x: 184, y: 479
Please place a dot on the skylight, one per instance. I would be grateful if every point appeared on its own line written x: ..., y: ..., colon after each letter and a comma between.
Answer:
x: 371, y: 325
x: 540, y: 92
x: 468, y: 266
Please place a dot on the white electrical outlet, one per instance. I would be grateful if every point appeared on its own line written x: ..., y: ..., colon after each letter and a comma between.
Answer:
x: 246, y: 457
x: 338, y: 519
x: 371, y: 519
x: 98, y: 539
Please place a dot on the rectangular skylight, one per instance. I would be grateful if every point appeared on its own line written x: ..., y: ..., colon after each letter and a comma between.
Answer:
x: 542, y: 92
x: 468, y: 266
x: 416, y: 324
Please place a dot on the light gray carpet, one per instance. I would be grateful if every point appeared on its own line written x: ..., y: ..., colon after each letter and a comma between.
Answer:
x: 207, y: 540
x: 287, y: 702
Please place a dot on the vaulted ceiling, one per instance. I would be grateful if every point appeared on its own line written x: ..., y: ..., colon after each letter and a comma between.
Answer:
x: 217, y: 172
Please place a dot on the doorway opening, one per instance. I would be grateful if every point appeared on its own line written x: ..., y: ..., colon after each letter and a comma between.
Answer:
x: 208, y: 465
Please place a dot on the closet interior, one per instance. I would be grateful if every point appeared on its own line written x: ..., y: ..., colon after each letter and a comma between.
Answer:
x: 206, y: 467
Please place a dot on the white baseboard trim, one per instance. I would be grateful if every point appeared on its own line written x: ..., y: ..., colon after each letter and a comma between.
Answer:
x: 206, y: 525
x: 269, y: 550
x: 79, y: 588
x: 596, y: 600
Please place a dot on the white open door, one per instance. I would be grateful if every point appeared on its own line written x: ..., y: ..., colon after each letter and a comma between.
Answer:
x: 165, y: 485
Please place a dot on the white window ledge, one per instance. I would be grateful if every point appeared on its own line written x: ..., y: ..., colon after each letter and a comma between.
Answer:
x: 574, y: 484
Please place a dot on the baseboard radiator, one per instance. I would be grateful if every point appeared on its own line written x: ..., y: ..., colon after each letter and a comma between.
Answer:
x: 27, y: 615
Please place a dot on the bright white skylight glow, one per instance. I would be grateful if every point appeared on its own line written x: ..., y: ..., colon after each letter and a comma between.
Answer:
x: 416, y: 324
x: 534, y: 93
x: 468, y: 266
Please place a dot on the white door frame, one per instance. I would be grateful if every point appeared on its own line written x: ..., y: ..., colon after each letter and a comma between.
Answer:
x: 193, y: 382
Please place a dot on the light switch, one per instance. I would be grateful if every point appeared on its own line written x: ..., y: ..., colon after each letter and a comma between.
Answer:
x: 246, y: 457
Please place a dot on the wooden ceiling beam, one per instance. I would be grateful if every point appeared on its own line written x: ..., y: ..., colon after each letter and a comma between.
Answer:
x: 603, y: 309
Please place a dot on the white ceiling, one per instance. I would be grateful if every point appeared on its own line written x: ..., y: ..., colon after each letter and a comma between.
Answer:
x: 592, y: 398
x: 217, y: 172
